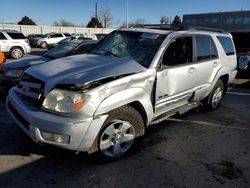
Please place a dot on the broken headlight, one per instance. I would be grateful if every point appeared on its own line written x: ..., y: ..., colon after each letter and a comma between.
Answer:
x: 64, y: 101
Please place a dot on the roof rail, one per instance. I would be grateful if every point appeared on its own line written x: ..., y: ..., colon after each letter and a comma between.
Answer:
x: 204, y: 29
x: 158, y: 26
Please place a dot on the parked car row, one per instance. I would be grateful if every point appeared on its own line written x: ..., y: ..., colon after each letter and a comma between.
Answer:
x: 103, y: 101
x: 12, y: 72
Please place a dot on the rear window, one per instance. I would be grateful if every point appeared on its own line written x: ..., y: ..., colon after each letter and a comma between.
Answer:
x: 16, y: 35
x: 227, y: 44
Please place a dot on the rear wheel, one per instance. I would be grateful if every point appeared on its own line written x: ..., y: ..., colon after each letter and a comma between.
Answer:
x: 213, y: 101
x: 16, y: 52
x: 120, y: 134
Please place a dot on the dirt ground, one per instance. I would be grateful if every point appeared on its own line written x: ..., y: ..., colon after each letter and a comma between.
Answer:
x: 198, y: 149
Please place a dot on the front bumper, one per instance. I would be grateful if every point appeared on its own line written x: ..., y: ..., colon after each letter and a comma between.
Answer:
x: 32, y: 121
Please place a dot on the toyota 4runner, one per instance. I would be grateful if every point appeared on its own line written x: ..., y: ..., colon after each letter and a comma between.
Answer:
x: 102, y: 102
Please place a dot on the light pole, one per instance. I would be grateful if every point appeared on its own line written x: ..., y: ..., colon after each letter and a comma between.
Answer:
x: 127, y: 13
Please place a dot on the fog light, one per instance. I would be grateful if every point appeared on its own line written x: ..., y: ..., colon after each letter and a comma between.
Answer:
x: 55, y: 137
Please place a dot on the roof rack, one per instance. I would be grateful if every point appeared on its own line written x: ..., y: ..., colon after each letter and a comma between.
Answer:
x: 157, y: 26
x: 204, y: 29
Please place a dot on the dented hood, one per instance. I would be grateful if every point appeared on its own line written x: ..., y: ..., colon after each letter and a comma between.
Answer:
x: 82, y: 68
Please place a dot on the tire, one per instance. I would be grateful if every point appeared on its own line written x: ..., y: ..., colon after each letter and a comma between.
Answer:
x: 120, y: 134
x: 213, y: 101
x: 43, y: 45
x: 16, y: 52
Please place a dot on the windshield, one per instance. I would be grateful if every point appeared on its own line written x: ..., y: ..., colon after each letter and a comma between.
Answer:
x: 138, y: 46
x: 61, y: 50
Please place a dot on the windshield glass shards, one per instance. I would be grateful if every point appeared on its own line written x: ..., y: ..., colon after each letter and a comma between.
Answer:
x: 138, y: 46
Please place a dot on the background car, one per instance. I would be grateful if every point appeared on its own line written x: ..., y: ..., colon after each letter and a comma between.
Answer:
x: 32, y: 36
x: 10, y: 73
x: 14, y: 43
x: 51, y: 38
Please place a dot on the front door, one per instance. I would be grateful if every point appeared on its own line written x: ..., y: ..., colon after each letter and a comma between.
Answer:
x: 177, y: 77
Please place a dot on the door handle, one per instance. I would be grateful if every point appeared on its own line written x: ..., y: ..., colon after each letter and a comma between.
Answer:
x: 215, y: 64
x: 191, y: 70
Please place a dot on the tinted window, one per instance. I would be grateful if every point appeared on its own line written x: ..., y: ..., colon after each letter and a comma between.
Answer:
x: 246, y: 20
x: 16, y: 35
x: 2, y: 37
x: 227, y: 44
x: 66, y: 34
x: 205, y: 48
x: 178, y: 52
x: 56, y: 35
x: 83, y: 49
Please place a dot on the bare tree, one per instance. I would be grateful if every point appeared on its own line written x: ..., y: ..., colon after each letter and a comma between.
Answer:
x: 164, y: 20
x: 63, y: 23
x: 105, y: 17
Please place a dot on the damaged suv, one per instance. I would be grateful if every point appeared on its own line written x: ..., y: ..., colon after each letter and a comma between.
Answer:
x: 102, y: 102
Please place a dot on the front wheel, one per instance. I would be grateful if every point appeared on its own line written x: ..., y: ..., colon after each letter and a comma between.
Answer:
x: 213, y: 101
x: 120, y: 133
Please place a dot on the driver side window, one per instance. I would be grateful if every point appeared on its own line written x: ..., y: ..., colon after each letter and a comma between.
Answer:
x: 180, y: 51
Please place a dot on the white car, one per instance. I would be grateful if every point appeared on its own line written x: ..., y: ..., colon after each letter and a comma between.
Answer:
x: 51, y: 38
x: 84, y: 35
x: 14, y: 43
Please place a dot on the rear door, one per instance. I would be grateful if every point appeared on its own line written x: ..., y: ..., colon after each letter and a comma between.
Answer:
x: 207, y: 63
x: 177, y: 77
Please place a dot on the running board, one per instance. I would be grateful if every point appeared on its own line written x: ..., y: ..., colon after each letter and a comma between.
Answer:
x: 181, y: 110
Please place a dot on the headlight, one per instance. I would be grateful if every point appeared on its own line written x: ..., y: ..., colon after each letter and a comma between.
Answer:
x: 14, y: 73
x: 64, y: 101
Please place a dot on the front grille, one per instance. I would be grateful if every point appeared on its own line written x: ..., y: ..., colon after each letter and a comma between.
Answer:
x: 31, y: 90
x: 18, y: 116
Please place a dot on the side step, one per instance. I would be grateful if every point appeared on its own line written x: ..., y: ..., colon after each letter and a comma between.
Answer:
x: 181, y: 110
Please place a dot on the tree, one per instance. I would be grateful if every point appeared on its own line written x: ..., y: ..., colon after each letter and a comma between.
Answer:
x: 26, y: 21
x: 164, y: 20
x: 105, y: 17
x: 94, y: 22
x: 176, y: 21
x: 63, y: 23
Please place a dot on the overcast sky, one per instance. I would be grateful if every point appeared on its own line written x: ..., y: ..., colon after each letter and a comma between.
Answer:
x: 45, y: 12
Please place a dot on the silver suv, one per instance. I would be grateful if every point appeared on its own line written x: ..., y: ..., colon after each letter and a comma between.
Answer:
x: 102, y: 102
x: 14, y: 43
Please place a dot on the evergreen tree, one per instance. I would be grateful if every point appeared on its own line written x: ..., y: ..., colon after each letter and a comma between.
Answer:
x: 26, y: 21
x: 94, y: 23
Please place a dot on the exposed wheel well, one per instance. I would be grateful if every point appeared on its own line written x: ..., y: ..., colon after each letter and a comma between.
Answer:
x: 138, y: 106
x: 225, y: 79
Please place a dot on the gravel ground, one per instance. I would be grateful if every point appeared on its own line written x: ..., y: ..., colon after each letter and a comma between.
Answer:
x: 198, y: 149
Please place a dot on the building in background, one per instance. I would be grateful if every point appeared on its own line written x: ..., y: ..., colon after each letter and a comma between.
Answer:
x: 236, y: 21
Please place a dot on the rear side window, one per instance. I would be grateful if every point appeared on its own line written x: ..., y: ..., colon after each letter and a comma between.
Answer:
x: 2, y: 37
x: 16, y: 36
x: 205, y: 48
x: 227, y: 44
